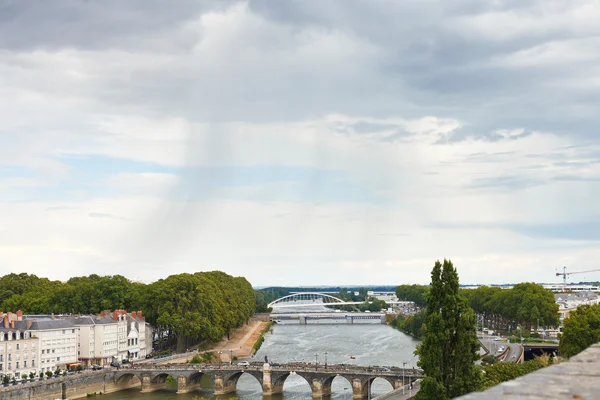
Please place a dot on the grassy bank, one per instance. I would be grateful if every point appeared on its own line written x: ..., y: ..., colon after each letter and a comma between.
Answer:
x: 261, y: 338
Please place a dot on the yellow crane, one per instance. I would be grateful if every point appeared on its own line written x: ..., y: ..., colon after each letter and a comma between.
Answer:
x: 565, y: 273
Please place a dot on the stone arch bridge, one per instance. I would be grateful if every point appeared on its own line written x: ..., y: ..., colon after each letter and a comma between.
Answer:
x: 270, y: 377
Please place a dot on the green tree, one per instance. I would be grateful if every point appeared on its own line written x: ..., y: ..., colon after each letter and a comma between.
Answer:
x: 581, y: 330
x: 449, y: 348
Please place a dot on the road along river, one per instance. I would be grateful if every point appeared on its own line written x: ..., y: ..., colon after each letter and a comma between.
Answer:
x: 359, y: 344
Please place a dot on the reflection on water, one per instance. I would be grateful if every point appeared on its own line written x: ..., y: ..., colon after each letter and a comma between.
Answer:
x: 369, y: 344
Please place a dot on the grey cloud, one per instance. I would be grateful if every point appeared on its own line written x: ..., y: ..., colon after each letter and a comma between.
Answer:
x: 61, y: 208
x: 105, y: 215
x: 424, y: 62
x: 505, y: 183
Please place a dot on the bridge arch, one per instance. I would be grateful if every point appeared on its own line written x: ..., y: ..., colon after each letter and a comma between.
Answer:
x: 380, y: 382
x: 233, y: 378
x: 281, y: 379
x: 324, y: 298
x: 196, y: 378
x: 128, y: 379
x: 162, y: 377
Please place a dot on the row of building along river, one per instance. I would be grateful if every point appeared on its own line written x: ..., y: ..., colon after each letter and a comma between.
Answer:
x: 366, y: 343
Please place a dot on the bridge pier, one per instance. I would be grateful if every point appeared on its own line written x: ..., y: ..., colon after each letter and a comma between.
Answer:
x: 183, y: 386
x: 223, y: 386
x: 360, y: 388
x: 149, y: 386
x: 271, y: 384
x: 320, y: 388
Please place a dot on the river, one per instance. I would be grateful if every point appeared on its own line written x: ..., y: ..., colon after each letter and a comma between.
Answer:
x: 369, y: 343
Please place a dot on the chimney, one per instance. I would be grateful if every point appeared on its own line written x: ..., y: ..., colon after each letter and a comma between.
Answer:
x: 29, y: 323
x: 12, y: 324
x: 102, y: 313
x: 52, y: 316
x: 19, y: 315
x: 115, y: 315
x: 6, y: 323
x: 139, y: 314
x: 133, y: 314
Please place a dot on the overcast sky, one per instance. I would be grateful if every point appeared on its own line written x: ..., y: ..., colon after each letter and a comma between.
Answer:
x: 300, y: 142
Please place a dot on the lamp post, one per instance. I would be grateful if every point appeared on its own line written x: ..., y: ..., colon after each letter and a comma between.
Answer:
x: 403, y: 368
x: 230, y: 356
x: 316, y: 361
x: 325, y: 360
x: 219, y: 359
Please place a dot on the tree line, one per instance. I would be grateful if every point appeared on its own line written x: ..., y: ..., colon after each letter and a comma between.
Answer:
x: 184, y: 308
x: 526, y: 304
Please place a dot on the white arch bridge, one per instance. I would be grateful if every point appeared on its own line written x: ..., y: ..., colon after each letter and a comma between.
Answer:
x: 316, y: 299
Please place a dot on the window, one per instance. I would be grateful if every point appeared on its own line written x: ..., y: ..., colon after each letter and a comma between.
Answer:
x: 24, y: 364
x: 17, y: 346
x: 32, y: 363
x: 17, y: 365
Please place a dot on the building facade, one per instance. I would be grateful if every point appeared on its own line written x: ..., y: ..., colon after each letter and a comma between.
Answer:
x: 58, y: 343
x: 19, y: 348
x: 568, y: 302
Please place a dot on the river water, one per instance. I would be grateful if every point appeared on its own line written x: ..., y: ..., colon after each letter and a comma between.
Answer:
x: 370, y: 343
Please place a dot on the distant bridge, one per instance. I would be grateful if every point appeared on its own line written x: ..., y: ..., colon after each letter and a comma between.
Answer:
x: 270, y: 377
x: 316, y: 299
x: 349, y: 318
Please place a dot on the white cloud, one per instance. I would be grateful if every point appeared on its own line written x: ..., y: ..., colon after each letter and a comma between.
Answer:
x: 446, y: 125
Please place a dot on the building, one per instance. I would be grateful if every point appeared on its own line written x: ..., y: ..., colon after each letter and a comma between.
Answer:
x: 111, y: 336
x: 149, y: 339
x: 58, y: 343
x: 568, y: 302
x: 136, y: 336
x: 572, y: 287
x: 98, y: 339
x: 18, y: 347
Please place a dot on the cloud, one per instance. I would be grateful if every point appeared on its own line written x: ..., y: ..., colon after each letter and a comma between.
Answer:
x: 300, y: 142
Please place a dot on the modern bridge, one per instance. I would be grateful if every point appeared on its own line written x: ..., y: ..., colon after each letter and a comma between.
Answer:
x: 316, y: 299
x: 347, y: 317
x: 270, y: 377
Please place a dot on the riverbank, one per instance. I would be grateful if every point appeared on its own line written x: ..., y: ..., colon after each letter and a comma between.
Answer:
x: 240, y: 345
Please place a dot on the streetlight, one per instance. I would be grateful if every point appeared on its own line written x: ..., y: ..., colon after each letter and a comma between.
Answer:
x: 230, y: 356
x: 403, y: 368
x: 325, y: 360
x: 219, y: 359
x: 316, y: 361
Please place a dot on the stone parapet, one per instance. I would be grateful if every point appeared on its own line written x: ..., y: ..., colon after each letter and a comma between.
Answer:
x: 577, y: 378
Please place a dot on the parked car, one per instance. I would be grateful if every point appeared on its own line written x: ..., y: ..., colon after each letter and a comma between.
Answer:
x: 243, y: 364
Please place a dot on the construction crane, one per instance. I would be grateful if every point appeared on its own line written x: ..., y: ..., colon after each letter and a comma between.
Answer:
x: 565, y: 273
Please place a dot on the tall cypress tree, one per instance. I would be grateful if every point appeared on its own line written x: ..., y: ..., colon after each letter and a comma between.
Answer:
x: 450, y: 346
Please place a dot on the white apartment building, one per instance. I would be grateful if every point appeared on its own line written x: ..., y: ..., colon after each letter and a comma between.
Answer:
x: 111, y: 336
x: 57, y: 343
x: 18, y: 348
x: 98, y: 339
x: 136, y: 336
